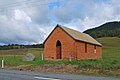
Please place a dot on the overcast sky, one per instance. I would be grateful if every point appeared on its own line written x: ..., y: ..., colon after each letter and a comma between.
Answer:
x: 30, y: 21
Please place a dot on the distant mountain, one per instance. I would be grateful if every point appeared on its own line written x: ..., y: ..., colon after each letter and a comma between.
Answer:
x: 110, y: 29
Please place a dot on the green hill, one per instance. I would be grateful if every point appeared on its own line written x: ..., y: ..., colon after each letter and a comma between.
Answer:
x: 111, y: 49
x: 110, y: 41
x: 110, y: 29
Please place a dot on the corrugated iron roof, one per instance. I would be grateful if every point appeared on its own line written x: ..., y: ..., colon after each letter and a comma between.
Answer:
x: 80, y: 36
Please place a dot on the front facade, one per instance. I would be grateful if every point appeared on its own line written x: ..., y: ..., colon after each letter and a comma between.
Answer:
x: 64, y: 43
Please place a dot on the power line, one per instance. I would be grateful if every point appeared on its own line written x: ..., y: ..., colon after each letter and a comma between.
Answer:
x: 22, y: 2
x: 16, y: 4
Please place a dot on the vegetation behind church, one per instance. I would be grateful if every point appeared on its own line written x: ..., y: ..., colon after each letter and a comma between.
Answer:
x: 18, y: 46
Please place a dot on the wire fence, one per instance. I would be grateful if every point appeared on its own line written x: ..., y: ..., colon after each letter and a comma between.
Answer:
x: 15, y: 57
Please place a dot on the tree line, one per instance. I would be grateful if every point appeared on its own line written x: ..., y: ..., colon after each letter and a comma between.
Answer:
x: 18, y: 46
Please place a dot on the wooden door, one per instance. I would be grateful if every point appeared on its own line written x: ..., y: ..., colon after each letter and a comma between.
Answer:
x: 58, y: 51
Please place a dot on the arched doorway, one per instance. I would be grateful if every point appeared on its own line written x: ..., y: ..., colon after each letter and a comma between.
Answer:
x: 58, y: 50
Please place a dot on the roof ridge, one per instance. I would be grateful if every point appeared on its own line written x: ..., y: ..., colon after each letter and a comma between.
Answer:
x: 73, y: 29
x: 79, y: 35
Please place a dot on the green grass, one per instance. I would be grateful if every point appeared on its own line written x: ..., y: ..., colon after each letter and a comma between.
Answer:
x: 110, y: 60
x: 17, y: 59
x: 111, y: 50
x: 110, y: 41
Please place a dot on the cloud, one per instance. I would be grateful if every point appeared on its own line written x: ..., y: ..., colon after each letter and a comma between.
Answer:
x: 39, y: 14
x: 15, y: 31
x: 20, y: 14
x: 23, y: 25
x: 21, y: 29
x: 85, y: 14
x: 68, y: 11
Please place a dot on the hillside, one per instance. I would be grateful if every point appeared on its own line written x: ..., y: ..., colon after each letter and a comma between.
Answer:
x: 109, y: 41
x: 110, y: 29
x: 111, y: 49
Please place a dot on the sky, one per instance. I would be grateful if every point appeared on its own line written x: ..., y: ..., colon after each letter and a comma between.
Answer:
x: 31, y: 21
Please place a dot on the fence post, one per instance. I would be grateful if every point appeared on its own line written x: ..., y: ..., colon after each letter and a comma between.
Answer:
x: 70, y: 56
x: 42, y: 56
x: 2, y: 64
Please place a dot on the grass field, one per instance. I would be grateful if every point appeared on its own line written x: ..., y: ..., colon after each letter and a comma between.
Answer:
x: 111, y: 49
x: 109, y: 65
x: 16, y: 59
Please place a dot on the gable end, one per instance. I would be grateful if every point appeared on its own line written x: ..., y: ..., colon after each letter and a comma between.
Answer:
x: 53, y: 31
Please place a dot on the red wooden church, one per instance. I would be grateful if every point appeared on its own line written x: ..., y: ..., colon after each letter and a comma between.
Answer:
x: 64, y: 43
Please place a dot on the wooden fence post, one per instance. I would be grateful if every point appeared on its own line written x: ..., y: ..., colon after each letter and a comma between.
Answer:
x: 42, y: 56
x: 2, y: 64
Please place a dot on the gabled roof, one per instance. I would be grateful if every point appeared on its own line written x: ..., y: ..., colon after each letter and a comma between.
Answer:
x: 76, y: 35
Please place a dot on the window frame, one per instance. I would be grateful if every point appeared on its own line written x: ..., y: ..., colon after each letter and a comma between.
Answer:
x: 85, y: 47
x: 94, y: 50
